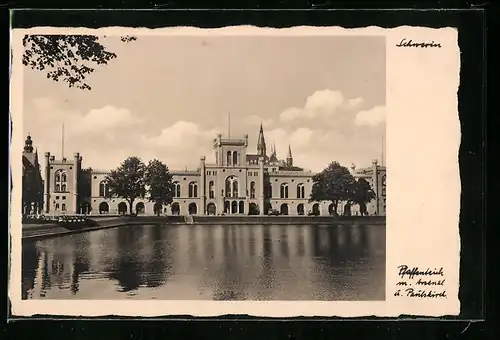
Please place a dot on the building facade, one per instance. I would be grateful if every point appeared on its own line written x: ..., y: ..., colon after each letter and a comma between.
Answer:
x: 237, y: 182
x: 376, y: 177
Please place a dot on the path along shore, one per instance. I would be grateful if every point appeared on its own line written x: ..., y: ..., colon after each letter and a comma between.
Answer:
x: 37, y: 231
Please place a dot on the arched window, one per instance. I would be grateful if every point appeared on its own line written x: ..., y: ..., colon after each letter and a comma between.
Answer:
x: 211, y: 190
x: 228, y: 187
x: 63, y: 207
x: 301, y: 191
x: 57, y: 206
x: 228, y: 160
x: 103, y: 189
x: 284, y: 190
x: 235, y: 158
x: 235, y: 188
x: 252, y: 189
x: 60, y: 181
x: 270, y: 190
x: 193, y: 189
x: 177, y: 189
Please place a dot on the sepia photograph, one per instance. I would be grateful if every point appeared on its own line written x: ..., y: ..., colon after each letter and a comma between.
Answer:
x: 198, y: 166
x: 220, y: 168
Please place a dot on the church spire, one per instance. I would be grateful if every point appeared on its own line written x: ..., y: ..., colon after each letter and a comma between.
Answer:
x: 261, y: 143
x: 289, y: 158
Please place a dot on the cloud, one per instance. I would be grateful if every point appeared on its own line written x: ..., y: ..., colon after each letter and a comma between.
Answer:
x: 51, y: 114
x: 301, y: 137
x: 180, y: 145
x: 372, y: 117
x: 324, y: 103
x: 354, y: 103
x: 181, y: 135
x: 254, y: 120
x: 104, y: 119
x: 106, y: 136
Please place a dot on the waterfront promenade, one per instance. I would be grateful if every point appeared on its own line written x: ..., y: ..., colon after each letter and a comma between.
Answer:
x: 33, y: 231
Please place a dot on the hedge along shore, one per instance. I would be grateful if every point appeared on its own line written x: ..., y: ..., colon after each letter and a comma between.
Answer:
x: 38, y: 231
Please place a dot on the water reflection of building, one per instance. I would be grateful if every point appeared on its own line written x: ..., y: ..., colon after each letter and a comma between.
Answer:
x: 237, y: 182
x: 219, y: 262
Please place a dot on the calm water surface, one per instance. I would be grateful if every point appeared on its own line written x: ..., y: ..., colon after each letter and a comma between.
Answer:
x: 209, y: 262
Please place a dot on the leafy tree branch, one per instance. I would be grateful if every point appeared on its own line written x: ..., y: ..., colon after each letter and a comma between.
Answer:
x: 67, y: 58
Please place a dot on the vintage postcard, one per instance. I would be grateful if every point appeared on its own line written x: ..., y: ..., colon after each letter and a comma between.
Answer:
x: 307, y: 171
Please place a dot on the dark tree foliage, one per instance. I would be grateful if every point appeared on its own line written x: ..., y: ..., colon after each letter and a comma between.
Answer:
x: 159, y: 182
x: 362, y: 194
x: 67, y: 58
x: 128, y: 181
x: 334, y: 183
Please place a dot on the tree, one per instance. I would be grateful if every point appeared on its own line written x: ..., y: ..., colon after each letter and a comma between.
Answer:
x: 128, y: 181
x: 334, y: 183
x: 362, y: 194
x: 159, y: 182
x: 70, y: 58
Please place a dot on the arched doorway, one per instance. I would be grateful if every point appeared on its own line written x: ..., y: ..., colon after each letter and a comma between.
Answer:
x: 330, y: 209
x: 211, y: 209
x: 347, y: 209
x: 122, y: 208
x: 315, y: 210
x: 157, y: 208
x: 193, y: 209
x: 234, y: 207
x: 227, y: 207
x: 140, y: 208
x: 103, y: 208
x: 86, y: 208
x: 284, y: 209
x: 253, y: 209
x: 176, y: 208
x: 300, y: 209
x: 241, y: 207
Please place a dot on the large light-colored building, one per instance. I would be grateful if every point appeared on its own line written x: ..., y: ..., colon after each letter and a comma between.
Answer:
x: 236, y: 182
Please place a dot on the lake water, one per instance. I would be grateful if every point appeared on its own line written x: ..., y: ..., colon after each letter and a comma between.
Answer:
x: 209, y: 262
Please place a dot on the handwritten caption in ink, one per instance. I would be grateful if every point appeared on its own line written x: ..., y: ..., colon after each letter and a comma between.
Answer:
x: 415, y: 282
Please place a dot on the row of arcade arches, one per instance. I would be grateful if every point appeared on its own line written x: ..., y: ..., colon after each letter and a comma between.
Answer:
x: 230, y: 207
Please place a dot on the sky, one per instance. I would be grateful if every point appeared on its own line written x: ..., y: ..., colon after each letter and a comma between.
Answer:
x: 167, y: 97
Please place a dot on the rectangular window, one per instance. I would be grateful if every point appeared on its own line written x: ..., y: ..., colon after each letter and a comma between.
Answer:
x: 57, y: 197
x: 64, y: 197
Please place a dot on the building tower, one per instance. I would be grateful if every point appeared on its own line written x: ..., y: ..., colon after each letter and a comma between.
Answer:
x: 47, y: 181
x: 261, y: 143
x: 28, y: 145
x: 289, y: 158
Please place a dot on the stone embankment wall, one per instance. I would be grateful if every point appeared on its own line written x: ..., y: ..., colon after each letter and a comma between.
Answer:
x: 36, y: 231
